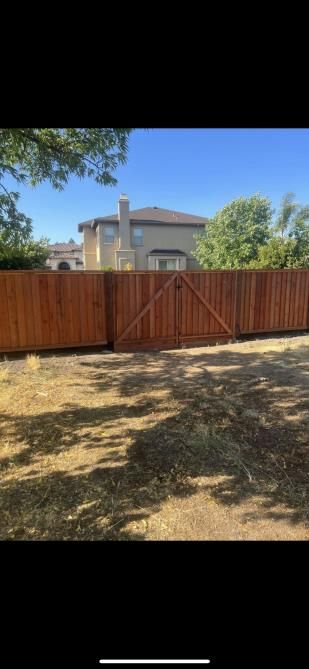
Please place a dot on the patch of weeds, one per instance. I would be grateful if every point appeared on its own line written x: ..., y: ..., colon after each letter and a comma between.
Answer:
x: 215, y: 442
x: 33, y: 362
x: 207, y: 438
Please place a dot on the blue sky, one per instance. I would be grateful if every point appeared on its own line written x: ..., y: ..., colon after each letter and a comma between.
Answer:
x: 196, y: 171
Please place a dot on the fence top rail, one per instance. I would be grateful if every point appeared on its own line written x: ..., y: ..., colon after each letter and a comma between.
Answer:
x: 207, y: 271
x: 53, y: 272
x: 147, y: 271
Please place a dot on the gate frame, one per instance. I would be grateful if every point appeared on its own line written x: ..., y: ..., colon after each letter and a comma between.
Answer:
x: 179, y: 276
x: 136, y: 345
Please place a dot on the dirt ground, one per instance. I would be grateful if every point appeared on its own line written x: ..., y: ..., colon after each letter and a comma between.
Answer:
x: 204, y: 443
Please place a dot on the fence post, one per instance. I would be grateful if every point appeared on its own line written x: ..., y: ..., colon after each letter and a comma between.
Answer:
x: 109, y: 306
x: 236, y: 314
x: 177, y: 310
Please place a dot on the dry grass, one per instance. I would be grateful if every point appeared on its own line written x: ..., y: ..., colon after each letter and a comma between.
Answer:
x: 33, y: 362
x: 4, y: 374
x: 207, y: 443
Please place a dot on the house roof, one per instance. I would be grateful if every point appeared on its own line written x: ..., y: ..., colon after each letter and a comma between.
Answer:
x: 65, y: 247
x: 150, y: 215
x: 167, y: 252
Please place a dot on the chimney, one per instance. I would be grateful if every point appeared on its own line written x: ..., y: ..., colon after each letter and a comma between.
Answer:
x: 124, y: 222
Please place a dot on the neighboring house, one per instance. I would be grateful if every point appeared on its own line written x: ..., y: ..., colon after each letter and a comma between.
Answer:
x: 148, y: 238
x: 65, y: 256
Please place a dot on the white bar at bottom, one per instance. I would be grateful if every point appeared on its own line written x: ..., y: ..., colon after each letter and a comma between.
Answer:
x: 154, y: 661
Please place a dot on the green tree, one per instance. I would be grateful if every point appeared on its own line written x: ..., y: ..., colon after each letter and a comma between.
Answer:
x: 300, y: 233
x: 34, y: 155
x: 289, y: 243
x: 286, y: 213
x: 71, y: 241
x: 232, y: 238
x: 17, y: 248
x: 278, y: 253
x: 30, y: 255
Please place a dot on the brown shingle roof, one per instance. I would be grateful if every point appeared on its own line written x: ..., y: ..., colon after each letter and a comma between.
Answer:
x: 65, y: 247
x: 151, y: 215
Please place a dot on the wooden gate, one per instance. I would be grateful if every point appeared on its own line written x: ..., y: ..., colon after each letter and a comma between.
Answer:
x: 145, y: 310
x: 167, y: 309
x: 206, y: 306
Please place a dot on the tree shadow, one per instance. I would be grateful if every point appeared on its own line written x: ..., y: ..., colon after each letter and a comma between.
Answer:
x: 235, y: 426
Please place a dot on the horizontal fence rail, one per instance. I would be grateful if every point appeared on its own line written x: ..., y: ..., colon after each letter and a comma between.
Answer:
x: 147, y: 309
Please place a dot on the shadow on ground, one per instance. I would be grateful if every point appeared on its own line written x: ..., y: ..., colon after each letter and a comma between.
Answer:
x: 237, y: 425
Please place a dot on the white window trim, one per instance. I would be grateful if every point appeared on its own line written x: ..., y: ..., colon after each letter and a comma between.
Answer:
x: 157, y: 258
x: 104, y: 235
x: 133, y: 237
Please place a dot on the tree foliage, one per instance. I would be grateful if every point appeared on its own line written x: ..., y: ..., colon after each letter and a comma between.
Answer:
x: 30, y: 255
x: 34, y: 155
x: 289, y: 243
x: 232, y: 238
x: 244, y: 235
x: 17, y: 248
x: 287, y: 211
x: 278, y: 253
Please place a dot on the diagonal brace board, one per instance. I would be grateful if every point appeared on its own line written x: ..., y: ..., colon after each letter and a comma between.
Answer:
x: 206, y: 304
x: 142, y: 313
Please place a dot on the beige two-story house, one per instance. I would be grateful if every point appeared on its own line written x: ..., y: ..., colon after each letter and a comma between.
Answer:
x: 149, y: 238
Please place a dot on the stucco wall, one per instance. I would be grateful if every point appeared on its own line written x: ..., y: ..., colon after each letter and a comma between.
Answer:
x: 90, y: 253
x: 55, y: 262
x: 106, y: 252
x: 123, y: 258
x: 155, y: 236
x: 165, y: 237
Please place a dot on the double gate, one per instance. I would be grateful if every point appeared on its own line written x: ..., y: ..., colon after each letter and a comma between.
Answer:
x: 162, y: 310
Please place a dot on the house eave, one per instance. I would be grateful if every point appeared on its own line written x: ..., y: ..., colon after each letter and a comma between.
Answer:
x: 87, y: 224
x: 135, y: 221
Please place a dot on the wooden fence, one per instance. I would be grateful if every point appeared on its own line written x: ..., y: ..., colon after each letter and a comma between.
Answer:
x: 168, y: 309
x: 273, y: 300
x: 140, y: 310
x: 49, y: 309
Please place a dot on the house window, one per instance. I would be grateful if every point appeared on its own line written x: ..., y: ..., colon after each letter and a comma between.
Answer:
x: 138, y: 237
x: 109, y: 234
x: 64, y: 265
x: 167, y: 264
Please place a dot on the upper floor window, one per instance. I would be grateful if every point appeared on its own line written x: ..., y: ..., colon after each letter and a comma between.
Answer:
x: 138, y: 236
x: 109, y: 234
